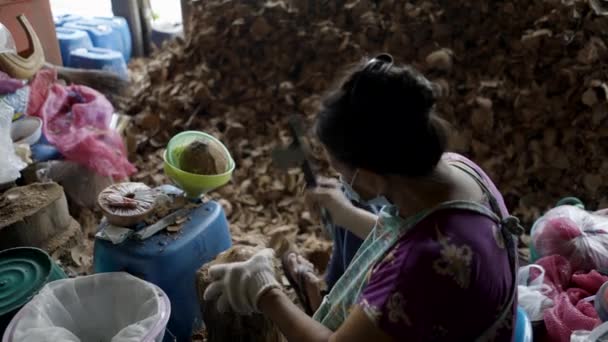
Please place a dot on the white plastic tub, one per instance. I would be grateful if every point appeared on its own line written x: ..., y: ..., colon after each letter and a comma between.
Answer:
x: 105, y: 307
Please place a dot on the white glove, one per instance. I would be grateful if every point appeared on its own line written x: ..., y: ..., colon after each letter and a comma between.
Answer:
x: 240, y: 285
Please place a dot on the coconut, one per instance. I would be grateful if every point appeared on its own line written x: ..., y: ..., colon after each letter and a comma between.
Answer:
x: 203, y: 158
x: 126, y: 204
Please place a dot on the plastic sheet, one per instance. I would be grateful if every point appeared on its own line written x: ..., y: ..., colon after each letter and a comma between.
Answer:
x: 116, y: 307
x: 598, y: 334
x: 7, y: 43
x: 10, y: 163
x: 76, y: 121
x: 576, y: 234
x: 532, y: 292
x: 17, y: 100
x: 9, y: 85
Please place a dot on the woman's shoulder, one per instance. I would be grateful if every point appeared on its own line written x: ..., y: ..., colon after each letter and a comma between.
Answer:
x: 452, y: 158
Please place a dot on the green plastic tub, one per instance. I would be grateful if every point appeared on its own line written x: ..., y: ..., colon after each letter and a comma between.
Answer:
x: 23, y: 272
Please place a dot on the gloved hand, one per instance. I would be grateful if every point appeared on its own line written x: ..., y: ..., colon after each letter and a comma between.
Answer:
x: 240, y: 285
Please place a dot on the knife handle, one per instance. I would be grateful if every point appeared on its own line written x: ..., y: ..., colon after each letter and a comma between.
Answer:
x: 325, y: 217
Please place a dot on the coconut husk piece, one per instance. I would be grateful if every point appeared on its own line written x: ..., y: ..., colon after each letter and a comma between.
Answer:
x: 230, y: 326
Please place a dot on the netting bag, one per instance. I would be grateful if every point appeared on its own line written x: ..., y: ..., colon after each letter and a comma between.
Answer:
x: 113, y: 307
x: 578, y: 235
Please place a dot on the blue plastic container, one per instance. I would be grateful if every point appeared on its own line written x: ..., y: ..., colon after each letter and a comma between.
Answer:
x: 71, y: 39
x: 523, y: 327
x: 165, y: 31
x: 98, y: 58
x: 102, y: 34
x: 170, y: 261
x: 43, y: 151
x: 121, y: 25
x: 60, y: 20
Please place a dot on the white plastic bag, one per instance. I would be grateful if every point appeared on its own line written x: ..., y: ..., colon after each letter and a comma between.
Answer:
x: 10, y: 163
x: 112, y: 307
x: 578, y: 235
x: 532, y: 295
x: 599, y: 334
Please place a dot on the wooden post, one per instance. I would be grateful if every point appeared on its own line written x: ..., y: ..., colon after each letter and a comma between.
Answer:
x: 186, y: 12
x: 229, y: 326
x: 129, y: 9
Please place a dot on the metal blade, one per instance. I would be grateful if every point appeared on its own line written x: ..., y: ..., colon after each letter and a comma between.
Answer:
x: 290, y: 157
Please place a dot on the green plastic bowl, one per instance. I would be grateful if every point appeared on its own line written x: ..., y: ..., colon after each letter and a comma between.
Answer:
x: 179, y: 142
x: 193, y: 184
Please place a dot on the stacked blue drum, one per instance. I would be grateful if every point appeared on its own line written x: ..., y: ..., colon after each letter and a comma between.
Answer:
x: 94, y: 43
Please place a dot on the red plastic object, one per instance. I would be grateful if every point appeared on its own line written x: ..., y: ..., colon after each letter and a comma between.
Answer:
x: 39, y: 14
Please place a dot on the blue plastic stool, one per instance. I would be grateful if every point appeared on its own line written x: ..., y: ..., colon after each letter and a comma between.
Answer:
x: 60, y: 20
x: 170, y: 261
x: 523, y: 327
x: 121, y: 25
x: 71, y: 39
x: 102, y: 59
x: 102, y: 34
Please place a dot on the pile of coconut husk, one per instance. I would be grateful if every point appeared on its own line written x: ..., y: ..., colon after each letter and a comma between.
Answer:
x: 523, y: 83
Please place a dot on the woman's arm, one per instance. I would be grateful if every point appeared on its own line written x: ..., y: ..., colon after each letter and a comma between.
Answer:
x: 296, y: 326
x: 360, y: 222
x: 343, y: 213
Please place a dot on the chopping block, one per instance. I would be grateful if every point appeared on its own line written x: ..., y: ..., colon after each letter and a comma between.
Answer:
x: 36, y: 215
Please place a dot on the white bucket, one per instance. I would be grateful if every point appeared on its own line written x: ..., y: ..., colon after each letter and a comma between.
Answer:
x: 116, y: 307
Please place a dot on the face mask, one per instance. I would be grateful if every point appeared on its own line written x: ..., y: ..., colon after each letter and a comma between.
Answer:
x: 352, y: 195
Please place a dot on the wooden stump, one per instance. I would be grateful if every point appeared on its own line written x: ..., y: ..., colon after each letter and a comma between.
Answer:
x: 36, y: 215
x: 230, y: 326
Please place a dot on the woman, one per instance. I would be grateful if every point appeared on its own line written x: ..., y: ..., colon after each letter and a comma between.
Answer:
x: 438, y: 265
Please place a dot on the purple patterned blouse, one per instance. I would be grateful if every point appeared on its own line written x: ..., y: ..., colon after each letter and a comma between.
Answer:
x: 446, y: 280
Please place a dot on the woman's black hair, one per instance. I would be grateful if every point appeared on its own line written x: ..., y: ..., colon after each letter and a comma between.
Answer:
x: 381, y: 119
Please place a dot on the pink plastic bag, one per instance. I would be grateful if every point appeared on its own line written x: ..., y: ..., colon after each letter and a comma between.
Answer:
x: 76, y: 120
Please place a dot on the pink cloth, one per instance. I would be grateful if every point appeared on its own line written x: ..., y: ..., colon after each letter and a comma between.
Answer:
x: 570, y: 312
x: 77, y: 122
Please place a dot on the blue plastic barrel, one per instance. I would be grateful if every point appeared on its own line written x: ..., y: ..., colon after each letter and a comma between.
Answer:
x: 170, y: 261
x: 102, y: 34
x: 71, y: 39
x: 60, y: 20
x: 98, y: 58
x: 121, y: 25
x: 165, y: 31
